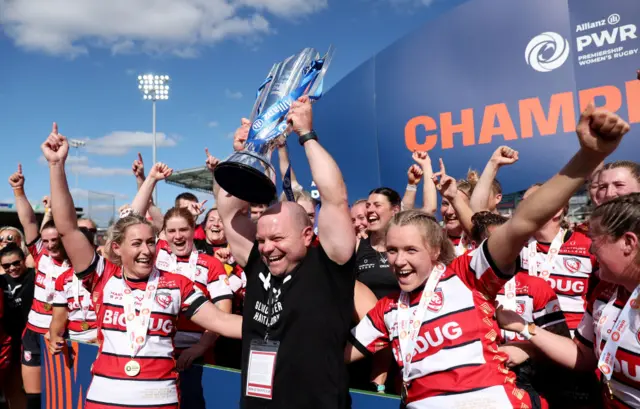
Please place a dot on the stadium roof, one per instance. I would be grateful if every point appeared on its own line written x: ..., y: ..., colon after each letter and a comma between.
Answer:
x: 199, y: 179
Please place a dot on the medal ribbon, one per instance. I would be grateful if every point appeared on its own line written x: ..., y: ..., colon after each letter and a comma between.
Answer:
x: 190, y: 271
x: 408, y: 328
x: 85, y: 303
x: 138, y: 324
x: 616, y: 332
x: 509, y: 302
x: 547, y: 263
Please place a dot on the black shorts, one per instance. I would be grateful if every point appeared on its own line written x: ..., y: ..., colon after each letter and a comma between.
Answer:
x: 31, y: 348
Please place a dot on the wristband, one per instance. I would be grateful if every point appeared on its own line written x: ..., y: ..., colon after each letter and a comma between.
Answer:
x: 308, y: 136
x: 380, y: 388
x: 528, y: 332
x: 412, y: 188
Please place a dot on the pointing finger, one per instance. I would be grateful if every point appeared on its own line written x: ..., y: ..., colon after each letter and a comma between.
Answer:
x: 20, y: 168
x: 442, y: 168
x: 206, y: 151
x: 139, y: 157
x: 54, y: 128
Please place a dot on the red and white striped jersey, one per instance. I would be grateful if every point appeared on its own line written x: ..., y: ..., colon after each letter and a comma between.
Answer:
x: 155, y: 386
x: 39, y: 318
x: 461, y: 245
x: 210, y: 277
x: 573, y: 274
x: 64, y: 297
x: 535, y: 301
x: 456, y: 361
x: 238, y: 284
x: 625, y: 382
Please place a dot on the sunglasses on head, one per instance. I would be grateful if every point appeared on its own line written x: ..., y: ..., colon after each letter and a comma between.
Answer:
x: 8, y: 237
x: 6, y: 266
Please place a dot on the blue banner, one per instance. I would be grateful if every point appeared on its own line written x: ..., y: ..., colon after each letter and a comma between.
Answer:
x: 66, y: 377
x: 484, y: 74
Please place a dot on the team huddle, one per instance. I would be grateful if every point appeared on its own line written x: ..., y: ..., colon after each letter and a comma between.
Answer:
x: 479, y: 310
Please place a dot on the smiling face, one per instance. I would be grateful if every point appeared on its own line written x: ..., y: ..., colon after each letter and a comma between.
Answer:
x: 51, y: 241
x: 616, y: 257
x: 359, y: 217
x: 410, y: 257
x: 137, y: 250
x: 283, y: 235
x: 179, y: 235
x: 214, y: 229
x: 379, y: 211
x: 615, y: 182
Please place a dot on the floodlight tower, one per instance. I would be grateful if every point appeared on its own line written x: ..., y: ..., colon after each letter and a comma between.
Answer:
x: 154, y: 88
x: 76, y: 144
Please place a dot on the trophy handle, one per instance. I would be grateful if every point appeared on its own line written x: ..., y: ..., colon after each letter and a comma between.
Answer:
x: 325, y: 66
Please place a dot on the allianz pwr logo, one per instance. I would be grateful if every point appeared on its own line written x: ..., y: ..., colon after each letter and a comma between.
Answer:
x: 549, y: 50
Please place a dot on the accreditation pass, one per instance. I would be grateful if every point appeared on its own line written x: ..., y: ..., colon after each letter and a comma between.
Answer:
x: 262, y: 368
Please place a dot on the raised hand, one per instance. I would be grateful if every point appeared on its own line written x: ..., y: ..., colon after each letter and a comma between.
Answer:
x: 241, y: 134
x: 16, y: 180
x: 211, y: 161
x: 222, y: 254
x: 138, y: 167
x: 504, y: 155
x: 445, y: 184
x: 56, y: 147
x: 196, y: 209
x: 46, y: 202
x: 600, y: 131
x: 160, y: 171
x: 422, y: 159
x: 414, y: 174
x: 300, y: 116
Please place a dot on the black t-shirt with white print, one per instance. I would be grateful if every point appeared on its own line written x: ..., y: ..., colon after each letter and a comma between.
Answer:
x: 311, y: 317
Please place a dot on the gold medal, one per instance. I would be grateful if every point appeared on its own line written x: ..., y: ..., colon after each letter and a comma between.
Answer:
x: 84, y: 325
x: 132, y: 368
x: 47, y: 306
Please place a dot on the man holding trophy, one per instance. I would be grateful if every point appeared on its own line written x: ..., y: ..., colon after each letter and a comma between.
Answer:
x: 299, y: 296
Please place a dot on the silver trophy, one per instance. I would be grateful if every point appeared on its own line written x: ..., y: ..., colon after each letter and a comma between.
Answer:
x: 249, y: 174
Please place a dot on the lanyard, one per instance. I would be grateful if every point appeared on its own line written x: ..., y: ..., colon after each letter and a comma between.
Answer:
x: 409, y: 328
x: 616, y: 331
x: 547, y: 263
x: 85, y: 303
x: 509, y: 302
x: 188, y: 271
x: 138, y: 324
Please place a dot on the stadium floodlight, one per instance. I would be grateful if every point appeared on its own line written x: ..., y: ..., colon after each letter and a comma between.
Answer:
x: 76, y: 144
x: 154, y: 88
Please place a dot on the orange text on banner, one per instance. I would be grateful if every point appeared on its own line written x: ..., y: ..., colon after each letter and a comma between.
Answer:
x: 421, y: 132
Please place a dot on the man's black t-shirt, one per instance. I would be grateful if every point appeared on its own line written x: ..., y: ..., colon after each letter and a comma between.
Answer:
x: 311, y: 316
x: 373, y: 270
x: 18, y: 296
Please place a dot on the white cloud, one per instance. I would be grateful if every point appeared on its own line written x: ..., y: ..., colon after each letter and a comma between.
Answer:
x: 119, y: 143
x: 84, y: 194
x: 232, y: 94
x: 179, y: 27
x: 213, y: 124
x: 90, y: 171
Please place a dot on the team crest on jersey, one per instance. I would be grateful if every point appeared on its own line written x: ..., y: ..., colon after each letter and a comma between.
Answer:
x: 163, y: 298
x: 572, y: 264
x: 201, y: 270
x: 437, y: 301
x: 520, y: 307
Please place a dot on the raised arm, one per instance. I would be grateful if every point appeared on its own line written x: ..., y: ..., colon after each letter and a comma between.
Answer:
x: 334, y: 222
x: 448, y: 188
x: 80, y: 251
x: 502, y: 156
x: 285, y: 163
x: 414, y: 175
x: 26, y: 215
x: 141, y: 202
x: 238, y: 227
x: 599, y: 133
x: 429, y: 193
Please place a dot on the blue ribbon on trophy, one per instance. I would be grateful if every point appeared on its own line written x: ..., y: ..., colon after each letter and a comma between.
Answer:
x: 249, y: 174
x: 286, y: 185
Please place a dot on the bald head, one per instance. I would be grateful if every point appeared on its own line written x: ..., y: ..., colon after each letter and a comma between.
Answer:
x: 284, y: 234
x: 293, y: 211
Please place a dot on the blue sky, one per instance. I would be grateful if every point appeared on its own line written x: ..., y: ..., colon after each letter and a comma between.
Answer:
x: 76, y: 62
